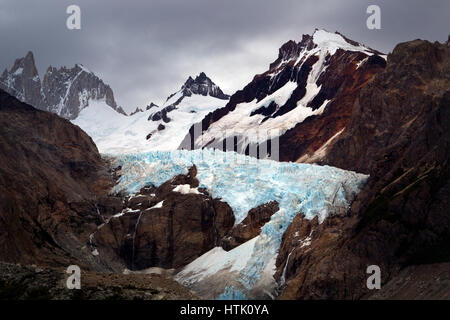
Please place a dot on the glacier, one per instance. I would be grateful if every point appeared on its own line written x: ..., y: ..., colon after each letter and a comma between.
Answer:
x: 244, y: 183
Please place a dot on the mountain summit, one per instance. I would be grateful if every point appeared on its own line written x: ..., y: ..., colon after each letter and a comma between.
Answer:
x: 201, y: 85
x: 204, y: 86
x: 64, y: 91
x: 157, y: 127
x: 304, y: 99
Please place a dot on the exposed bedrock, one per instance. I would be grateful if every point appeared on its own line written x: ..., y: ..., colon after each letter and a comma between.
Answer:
x: 166, y: 227
x: 250, y: 227
x: 399, y: 133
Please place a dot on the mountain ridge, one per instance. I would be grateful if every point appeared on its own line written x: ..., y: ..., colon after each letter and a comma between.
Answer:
x: 153, y: 127
x: 64, y: 91
x: 303, y: 99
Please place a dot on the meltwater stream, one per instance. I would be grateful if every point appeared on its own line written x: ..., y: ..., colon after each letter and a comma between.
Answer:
x: 244, y: 183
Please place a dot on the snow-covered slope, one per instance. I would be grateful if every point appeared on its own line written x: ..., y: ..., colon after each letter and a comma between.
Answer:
x: 68, y: 91
x: 316, y: 78
x: 244, y: 183
x: 158, y: 127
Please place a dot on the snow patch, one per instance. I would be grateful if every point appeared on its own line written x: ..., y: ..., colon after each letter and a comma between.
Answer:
x: 158, y: 205
x: 19, y: 71
x: 114, y: 133
x: 186, y: 189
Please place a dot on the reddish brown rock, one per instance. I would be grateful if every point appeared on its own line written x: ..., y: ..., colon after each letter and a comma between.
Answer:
x: 19, y: 282
x: 250, y: 227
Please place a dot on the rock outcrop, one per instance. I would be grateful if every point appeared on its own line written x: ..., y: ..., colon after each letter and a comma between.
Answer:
x: 418, y: 282
x: 250, y: 227
x: 51, y: 179
x: 399, y: 134
x: 306, y: 96
x: 64, y: 91
x: 201, y: 85
x: 18, y: 282
x: 165, y: 227
x: 23, y: 81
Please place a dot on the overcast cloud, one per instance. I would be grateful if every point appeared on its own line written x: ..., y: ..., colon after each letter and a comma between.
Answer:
x: 145, y: 50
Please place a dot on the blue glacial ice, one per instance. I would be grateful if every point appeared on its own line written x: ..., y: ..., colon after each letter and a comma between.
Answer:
x: 244, y: 183
x: 231, y: 293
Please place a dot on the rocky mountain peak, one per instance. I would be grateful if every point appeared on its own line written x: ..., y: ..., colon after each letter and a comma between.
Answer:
x: 69, y: 90
x: 307, y: 95
x: 288, y: 50
x: 64, y: 91
x: 201, y: 85
x: 320, y: 40
x: 204, y: 86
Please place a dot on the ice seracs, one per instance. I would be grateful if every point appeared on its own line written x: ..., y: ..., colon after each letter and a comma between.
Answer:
x: 244, y: 183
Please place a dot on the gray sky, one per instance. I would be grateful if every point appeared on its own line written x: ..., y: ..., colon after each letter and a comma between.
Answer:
x: 145, y: 50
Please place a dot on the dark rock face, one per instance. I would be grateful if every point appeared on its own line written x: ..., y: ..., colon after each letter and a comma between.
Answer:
x: 399, y: 134
x: 162, y: 115
x: 201, y: 85
x: 341, y: 84
x: 19, y: 282
x: 136, y: 111
x: 345, y: 73
x: 51, y: 177
x: 384, y: 120
x: 424, y: 282
x: 250, y: 227
x: 56, y: 210
x: 164, y: 228
x: 152, y: 105
x: 64, y: 91
x: 23, y: 82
